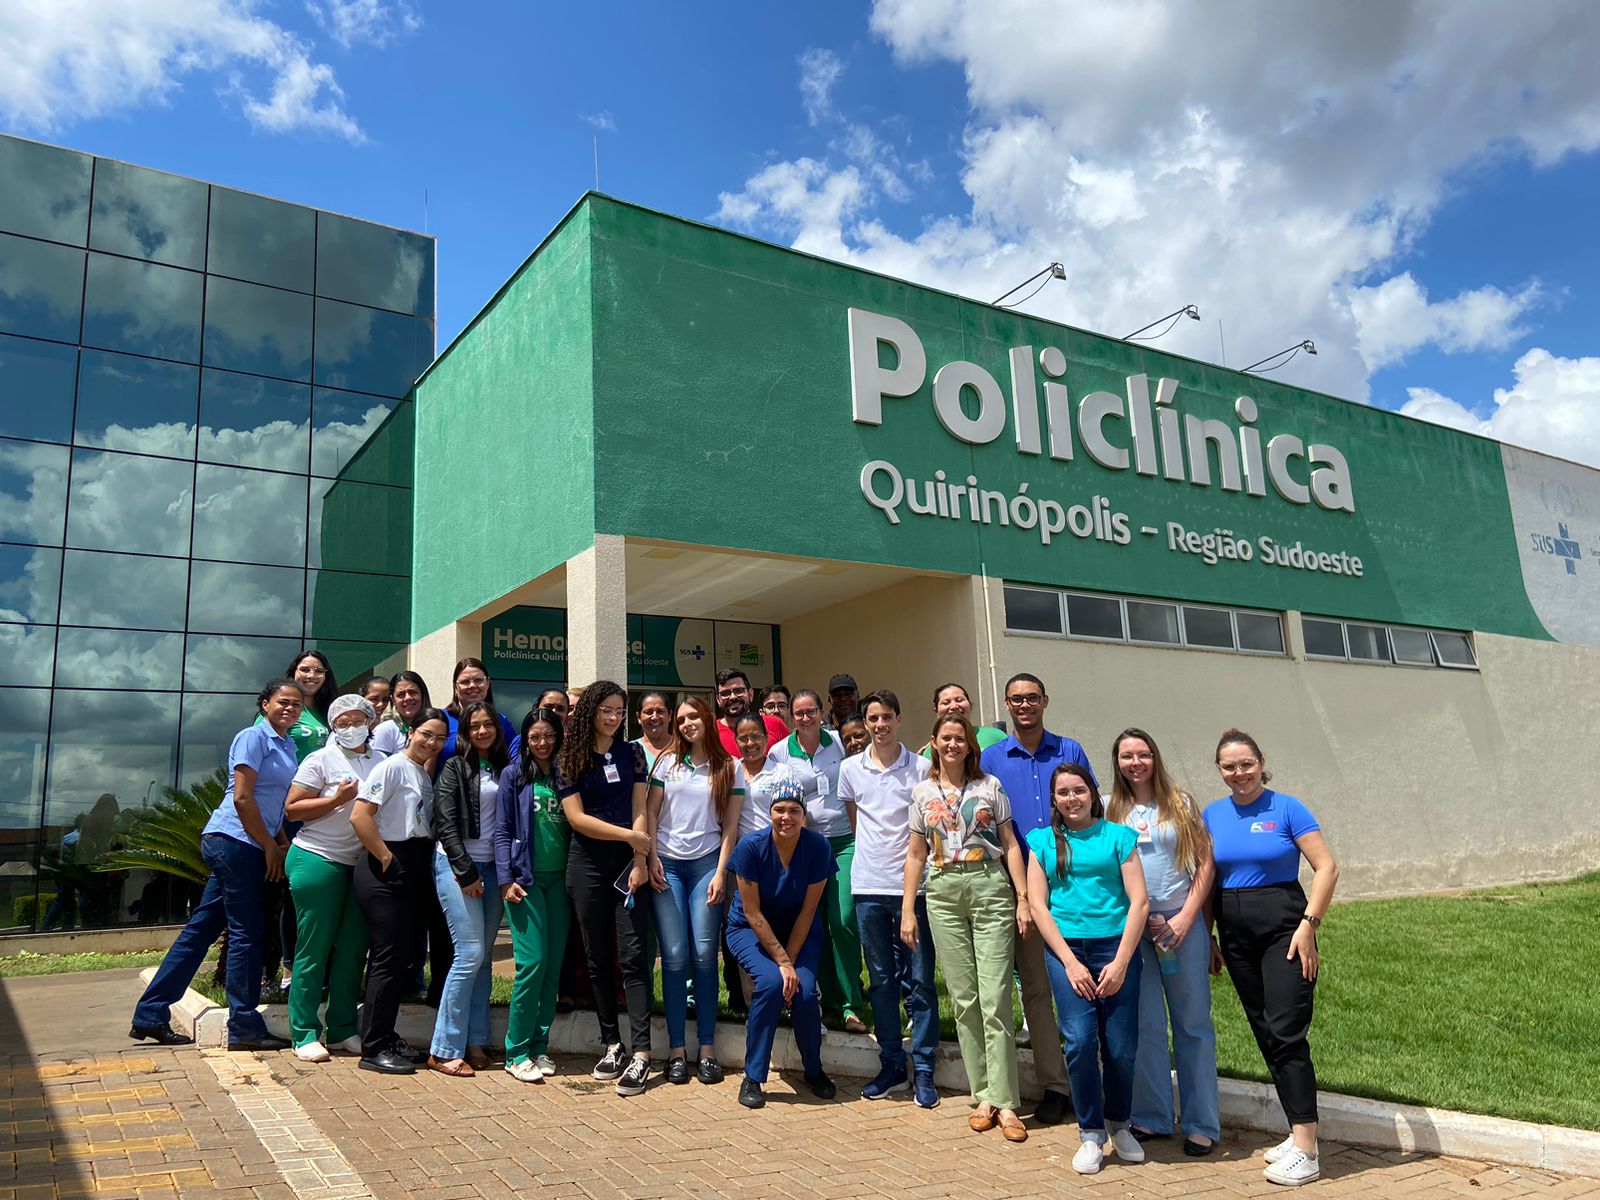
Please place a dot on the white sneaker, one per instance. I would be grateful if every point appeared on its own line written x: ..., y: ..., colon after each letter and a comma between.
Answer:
x: 1294, y: 1168
x: 351, y: 1045
x: 1126, y: 1145
x: 312, y: 1052
x: 546, y: 1065
x: 1024, y: 1037
x: 526, y: 1071
x: 1088, y: 1159
x: 1281, y: 1149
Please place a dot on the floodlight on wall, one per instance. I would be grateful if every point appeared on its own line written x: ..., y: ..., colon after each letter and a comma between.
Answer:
x: 1308, y: 346
x: 1171, y: 320
x: 1054, y: 271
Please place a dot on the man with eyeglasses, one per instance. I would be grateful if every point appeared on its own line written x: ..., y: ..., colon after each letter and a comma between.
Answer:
x: 1023, y: 763
x: 775, y: 702
x: 734, y: 695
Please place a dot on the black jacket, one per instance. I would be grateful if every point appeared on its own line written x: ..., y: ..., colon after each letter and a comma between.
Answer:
x: 456, y: 814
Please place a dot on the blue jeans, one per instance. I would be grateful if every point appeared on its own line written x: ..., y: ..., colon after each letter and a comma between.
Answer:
x: 1102, y: 1038
x: 1186, y: 995
x: 893, y: 968
x: 767, y: 1004
x: 232, y: 899
x: 683, y: 916
x: 474, y: 921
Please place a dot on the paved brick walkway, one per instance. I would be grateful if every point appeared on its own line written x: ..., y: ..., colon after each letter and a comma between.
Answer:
x: 116, y: 1121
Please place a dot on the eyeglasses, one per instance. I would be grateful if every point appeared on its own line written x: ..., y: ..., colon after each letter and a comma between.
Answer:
x: 805, y: 714
x: 1031, y: 700
x: 611, y: 712
x: 540, y: 739
x: 773, y: 706
x: 429, y: 737
x: 729, y: 693
x: 472, y: 681
x: 1242, y: 767
x: 1076, y: 793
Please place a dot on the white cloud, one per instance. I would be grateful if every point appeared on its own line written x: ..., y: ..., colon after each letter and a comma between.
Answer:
x: 602, y: 120
x: 63, y: 61
x: 1553, y: 405
x: 1273, y: 173
x: 819, y: 71
x: 365, y: 22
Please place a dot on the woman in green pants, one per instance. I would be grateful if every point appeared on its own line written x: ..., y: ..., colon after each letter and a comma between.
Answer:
x: 815, y: 754
x: 331, y: 934
x: 530, y: 855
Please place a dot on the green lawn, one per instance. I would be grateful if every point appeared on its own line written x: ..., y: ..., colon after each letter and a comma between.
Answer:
x: 1484, y: 1002
x: 27, y: 963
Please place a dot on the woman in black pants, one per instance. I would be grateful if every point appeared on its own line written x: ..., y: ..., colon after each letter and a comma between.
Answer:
x: 602, y: 782
x: 1268, y: 931
x: 393, y: 817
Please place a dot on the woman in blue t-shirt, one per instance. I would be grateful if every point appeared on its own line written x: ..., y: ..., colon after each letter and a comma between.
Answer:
x: 1089, y: 903
x: 1268, y: 932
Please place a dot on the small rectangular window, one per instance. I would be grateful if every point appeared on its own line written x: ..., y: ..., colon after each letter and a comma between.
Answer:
x: 1094, y: 616
x: 1324, y: 639
x: 1150, y: 622
x: 1260, y: 631
x: 1029, y: 610
x: 1412, y: 646
x: 1368, y: 643
x: 1208, y: 627
x: 1454, y: 649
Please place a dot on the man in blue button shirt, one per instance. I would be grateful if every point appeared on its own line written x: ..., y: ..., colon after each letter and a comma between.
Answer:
x: 1023, y: 764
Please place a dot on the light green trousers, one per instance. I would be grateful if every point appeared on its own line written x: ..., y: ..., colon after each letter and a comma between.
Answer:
x: 330, y: 945
x: 839, y: 973
x: 539, y: 924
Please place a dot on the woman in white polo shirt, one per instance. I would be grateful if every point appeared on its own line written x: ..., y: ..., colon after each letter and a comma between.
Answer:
x: 692, y: 806
x: 331, y: 942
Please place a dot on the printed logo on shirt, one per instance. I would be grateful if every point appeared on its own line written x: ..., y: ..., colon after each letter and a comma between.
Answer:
x: 375, y: 790
x: 1263, y: 826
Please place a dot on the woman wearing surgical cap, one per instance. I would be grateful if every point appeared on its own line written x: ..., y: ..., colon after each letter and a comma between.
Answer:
x: 332, y: 934
x: 775, y: 934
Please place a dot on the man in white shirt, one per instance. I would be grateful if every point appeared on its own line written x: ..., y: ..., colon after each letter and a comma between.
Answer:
x: 875, y: 786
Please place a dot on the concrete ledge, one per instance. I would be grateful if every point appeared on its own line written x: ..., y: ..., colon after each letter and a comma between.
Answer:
x: 99, y: 941
x: 1356, y: 1121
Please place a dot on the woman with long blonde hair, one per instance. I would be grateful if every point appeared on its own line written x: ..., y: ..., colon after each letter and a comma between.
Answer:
x: 1175, y: 852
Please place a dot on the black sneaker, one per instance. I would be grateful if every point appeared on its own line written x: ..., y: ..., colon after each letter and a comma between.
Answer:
x: 821, y: 1086
x: 634, y: 1077
x: 677, y: 1070
x: 1052, y: 1108
x: 709, y: 1071
x: 750, y: 1093
x: 610, y: 1064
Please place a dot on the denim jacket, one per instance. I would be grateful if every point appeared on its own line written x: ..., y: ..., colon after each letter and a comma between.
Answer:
x: 513, y: 829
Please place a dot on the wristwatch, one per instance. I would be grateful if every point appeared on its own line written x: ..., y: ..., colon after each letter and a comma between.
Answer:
x: 1316, y: 922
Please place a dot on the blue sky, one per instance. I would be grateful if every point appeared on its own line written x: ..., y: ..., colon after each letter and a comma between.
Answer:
x: 1414, y: 189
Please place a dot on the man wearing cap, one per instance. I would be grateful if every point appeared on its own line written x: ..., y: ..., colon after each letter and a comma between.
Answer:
x: 841, y: 699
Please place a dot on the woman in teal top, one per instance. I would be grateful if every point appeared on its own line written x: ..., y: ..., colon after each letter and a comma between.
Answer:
x: 530, y: 852
x: 1089, y: 902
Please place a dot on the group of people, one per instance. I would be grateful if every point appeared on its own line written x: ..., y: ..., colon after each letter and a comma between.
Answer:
x: 804, y: 839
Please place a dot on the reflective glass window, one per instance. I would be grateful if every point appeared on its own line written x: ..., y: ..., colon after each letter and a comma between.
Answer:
x: 115, y: 658
x: 1260, y: 631
x: 255, y: 422
x: 1149, y: 622
x: 209, y: 726
x: 257, y: 329
x: 263, y: 240
x: 129, y: 502
x: 36, y: 381
x: 354, y: 661
x: 41, y: 289
x: 365, y: 350
x: 30, y: 581
x: 373, y: 264
x: 24, y: 725
x: 122, y: 591
x: 33, y: 492
x: 44, y: 191
x: 250, y: 516
x: 1455, y: 649
x: 228, y: 598
x: 216, y: 662
x: 1412, y: 646
x: 142, y: 308
x: 148, y: 214
x: 361, y: 437
x: 343, y: 606
x: 1209, y: 627
x: 1032, y: 611
x: 360, y: 527
x: 1324, y: 639
x: 27, y: 655
x: 137, y: 404
x: 1094, y: 616
x: 1370, y: 643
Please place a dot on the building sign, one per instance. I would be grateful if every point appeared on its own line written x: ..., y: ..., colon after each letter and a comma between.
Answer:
x: 530, y: 643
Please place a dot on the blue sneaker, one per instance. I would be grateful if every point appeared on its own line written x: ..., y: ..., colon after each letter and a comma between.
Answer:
x: 927, y: 1096
x: 889, y: 1079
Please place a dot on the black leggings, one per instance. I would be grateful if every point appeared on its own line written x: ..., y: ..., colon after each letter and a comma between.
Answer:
x: 612, y: 928
x: 1254, y: 926
x: 395, y: 905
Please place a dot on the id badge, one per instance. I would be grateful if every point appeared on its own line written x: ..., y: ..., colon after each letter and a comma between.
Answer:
x: 612, y: 774
x: 822, y: 784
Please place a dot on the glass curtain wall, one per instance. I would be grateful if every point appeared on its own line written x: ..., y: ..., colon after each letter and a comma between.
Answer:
x: 205, y: 464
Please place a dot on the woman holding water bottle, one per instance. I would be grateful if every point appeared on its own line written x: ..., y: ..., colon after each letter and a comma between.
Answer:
x: 1175, y: 852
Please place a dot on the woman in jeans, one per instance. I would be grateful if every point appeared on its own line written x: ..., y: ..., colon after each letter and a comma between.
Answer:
x: 531, y: 842
x: 602, y: 784
x: 1175, y: 852
x: 1268, y: 931
x: 693, y: 805
x: 1089, y: 903
x: 464, y: 804
x: 977, y: 900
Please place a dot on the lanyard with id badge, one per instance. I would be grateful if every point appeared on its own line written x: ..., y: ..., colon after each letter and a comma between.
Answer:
x: 612, y: 773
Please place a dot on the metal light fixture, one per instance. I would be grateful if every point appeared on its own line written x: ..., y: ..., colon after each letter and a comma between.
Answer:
x: 1054, y: 271
x: 1308, y: 346
x: 1188, y: 310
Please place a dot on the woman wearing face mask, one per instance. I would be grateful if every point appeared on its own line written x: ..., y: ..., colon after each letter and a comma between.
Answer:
x: 693, y: 806
x: 655, y: 726
x: 815, y: 754
x: 602, y: 785
x: 1089, y: 904
x: 408, y: 695
x: 1268, y: 931
x: 465, y: 801
x: 469, y: 684
x: 331, y: 942
x: 531, y: 842
x: 1175, y: 853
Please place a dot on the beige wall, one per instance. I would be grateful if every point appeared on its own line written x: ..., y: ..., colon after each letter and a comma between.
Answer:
x: 1422, y: 778
x: 435, y: 655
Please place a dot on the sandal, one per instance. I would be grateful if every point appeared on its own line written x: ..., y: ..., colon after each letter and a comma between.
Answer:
x: 982, y: 1122
x: 455, y: 1067
x: 1013, y: 1129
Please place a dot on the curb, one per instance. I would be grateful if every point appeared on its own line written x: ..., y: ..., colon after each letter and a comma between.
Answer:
x: 1379, y: 1124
